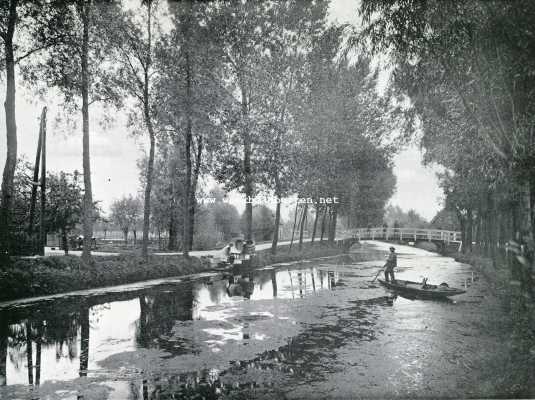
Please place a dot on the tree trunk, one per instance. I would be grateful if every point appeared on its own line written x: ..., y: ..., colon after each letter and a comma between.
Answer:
x: 325, y: 212
x: 87, y: 217
x: 469, y: 228
x: 275, y: 241
x: 302, y: 228
x: 172, y: 243
x: 11, y: 135
x: 35, y: 182
x: 501, y: 230
x: 293, y: 228
x: 247, y: 172
x: 532, y: 203
x: 278, y: 188
x: 462, y: 223
x: 490, y: 229
x: 64, y: 241
x: 193, y: 192
x: 479, y: 230
x: 514, y: 219
x: 187, y: 183
x: 278, y: 191
x: 315, y: 225
x: 135, y: 237
x: 125, y: 234
x: 150, y: 129
x: 147, y: 201
x: 332, y: 225
x: 187, y: 206
x: 173, y: 233
x: 42, y: 227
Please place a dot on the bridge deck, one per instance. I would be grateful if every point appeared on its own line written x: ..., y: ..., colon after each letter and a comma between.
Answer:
x: 408, y: 234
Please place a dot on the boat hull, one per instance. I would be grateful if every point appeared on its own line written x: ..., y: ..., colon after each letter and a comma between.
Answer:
x: 415, y: 289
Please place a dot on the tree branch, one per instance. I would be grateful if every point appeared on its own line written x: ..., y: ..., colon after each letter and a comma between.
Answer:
x: 39, y: 48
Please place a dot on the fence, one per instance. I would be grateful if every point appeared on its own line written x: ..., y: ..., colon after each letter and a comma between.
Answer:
x: 412, y: 234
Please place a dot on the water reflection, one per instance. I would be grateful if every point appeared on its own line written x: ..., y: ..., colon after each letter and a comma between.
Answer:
x: 306, y: 357
x: 236, y: 335
x: 66, y: 338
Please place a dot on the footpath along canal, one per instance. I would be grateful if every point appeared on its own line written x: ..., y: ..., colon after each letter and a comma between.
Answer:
x: 315, y: 329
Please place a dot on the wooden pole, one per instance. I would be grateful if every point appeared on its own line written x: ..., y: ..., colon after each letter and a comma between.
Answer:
x: 302, y: 227
x: 295, y: 220
x: 42, y: 230
x: 35, y: 181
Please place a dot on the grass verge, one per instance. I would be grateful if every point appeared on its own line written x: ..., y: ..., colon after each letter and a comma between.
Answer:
x: 57, y: 274
x: 513, y: 372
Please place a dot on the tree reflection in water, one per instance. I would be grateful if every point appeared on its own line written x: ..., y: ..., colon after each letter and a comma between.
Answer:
x: 29, y: 353
x: 59, y: 326
x: 273, y: 275
x: 306, y: 358
x: 84, y: 340
x: 158, y: 314
x: 240, y: 285
x: 3, y: 353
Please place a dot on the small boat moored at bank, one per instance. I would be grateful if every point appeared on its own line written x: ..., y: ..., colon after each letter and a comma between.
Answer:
x: 421, y: 289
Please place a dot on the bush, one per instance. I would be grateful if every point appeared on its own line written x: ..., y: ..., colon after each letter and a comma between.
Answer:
x: 205, y: 240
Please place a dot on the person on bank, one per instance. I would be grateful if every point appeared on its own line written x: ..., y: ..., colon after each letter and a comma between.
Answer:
x: 391, y: 263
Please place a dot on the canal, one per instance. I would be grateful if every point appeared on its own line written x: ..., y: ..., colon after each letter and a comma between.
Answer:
x: 313, y: 329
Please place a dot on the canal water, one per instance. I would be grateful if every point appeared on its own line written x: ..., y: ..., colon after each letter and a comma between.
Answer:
x: 313, y: 329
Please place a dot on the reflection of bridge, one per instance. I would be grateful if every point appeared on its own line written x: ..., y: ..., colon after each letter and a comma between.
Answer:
x: 407, y: 235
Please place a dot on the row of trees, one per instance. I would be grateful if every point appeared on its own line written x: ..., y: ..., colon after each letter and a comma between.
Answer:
x: 215, y: 222
x: 260, y: 95
x: 270, y: 105
x: 468, y: 68
x: 397, y: 218
x: 470, y: 79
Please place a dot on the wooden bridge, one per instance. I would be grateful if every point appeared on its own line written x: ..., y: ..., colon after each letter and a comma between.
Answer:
x: 407, y: 235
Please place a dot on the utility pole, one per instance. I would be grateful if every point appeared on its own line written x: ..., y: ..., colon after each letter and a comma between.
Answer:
x: 35, y: 181
x: 42, y: 230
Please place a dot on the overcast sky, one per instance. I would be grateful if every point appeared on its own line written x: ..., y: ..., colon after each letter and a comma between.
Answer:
x: 114, y: 151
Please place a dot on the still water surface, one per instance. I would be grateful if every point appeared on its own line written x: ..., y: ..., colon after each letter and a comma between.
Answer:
x: 315, y: 329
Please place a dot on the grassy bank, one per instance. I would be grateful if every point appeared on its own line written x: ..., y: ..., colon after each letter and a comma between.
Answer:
x: 515, y: 370
x: 58, y: 274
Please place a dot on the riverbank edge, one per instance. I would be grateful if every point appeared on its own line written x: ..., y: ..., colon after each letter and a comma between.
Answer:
x: 517, y: 367
x: 61, y: 274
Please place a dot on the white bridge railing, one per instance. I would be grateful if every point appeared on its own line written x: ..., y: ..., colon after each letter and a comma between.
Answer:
x: 409, y: 234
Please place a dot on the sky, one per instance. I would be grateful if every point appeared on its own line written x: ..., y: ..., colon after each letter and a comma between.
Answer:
x: 114, y: 151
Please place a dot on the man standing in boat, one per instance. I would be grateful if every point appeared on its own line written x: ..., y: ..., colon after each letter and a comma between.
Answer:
x: 391, y: 263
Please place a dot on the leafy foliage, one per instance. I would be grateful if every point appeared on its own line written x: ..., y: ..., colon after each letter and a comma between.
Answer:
x: 126, y: 213
x: 64, y: 202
